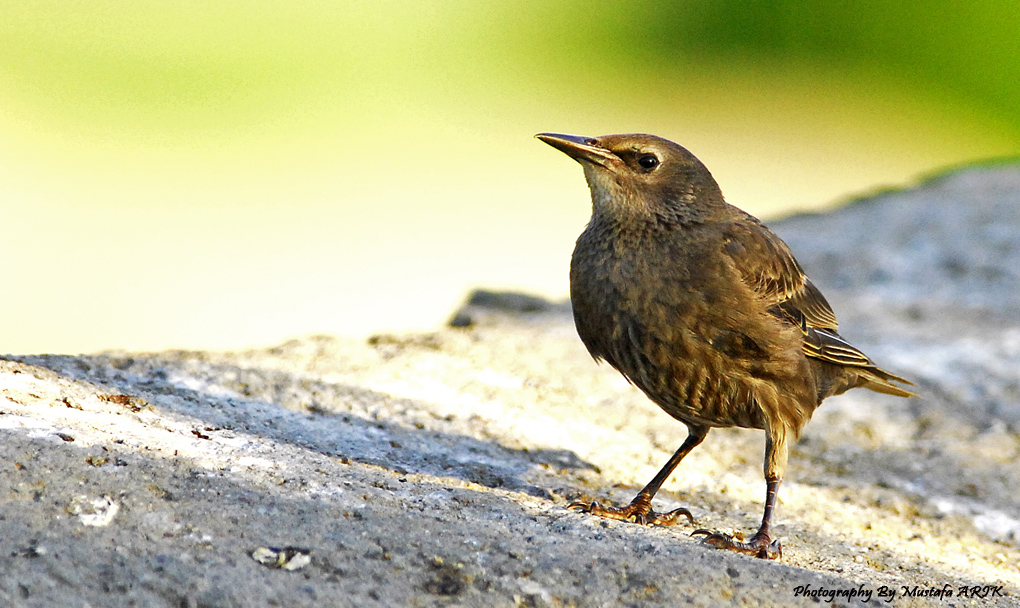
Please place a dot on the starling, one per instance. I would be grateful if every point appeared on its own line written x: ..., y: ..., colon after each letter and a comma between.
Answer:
x: 705, y: 310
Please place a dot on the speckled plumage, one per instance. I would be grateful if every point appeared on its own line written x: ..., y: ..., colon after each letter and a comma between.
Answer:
x: 701, y: 307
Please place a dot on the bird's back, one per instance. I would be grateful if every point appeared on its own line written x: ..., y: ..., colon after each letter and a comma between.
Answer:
x: 669, y: 305
x: 662, y: 306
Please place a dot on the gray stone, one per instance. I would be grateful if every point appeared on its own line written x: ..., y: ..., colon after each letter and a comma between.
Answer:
x: 434, y: 470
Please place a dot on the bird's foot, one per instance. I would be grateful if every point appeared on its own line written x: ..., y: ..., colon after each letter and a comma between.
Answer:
x: 639, y: 511
x: 759, y: 545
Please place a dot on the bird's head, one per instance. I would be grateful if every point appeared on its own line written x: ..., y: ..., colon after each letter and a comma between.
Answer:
x: 640, y: 174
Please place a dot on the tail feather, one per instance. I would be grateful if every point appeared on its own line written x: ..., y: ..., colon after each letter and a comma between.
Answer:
x: 881, y: 381
x: 828, y: 346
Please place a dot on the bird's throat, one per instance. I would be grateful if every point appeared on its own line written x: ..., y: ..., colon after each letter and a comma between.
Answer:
x: 610, y: 200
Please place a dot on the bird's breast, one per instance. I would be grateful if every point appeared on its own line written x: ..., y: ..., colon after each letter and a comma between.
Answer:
x: 671, y: 317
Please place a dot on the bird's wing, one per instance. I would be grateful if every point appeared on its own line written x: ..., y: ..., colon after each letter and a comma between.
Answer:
x: 769, y: 268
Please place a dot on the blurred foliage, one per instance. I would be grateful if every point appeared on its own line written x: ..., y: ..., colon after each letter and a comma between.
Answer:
x: 967, y: 50
x: 256, y: 169
x: 972, y: 48
x: 211, y: 64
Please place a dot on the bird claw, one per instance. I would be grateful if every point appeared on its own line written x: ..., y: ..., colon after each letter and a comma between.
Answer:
x: 759, y: 545
x: 638, y: 512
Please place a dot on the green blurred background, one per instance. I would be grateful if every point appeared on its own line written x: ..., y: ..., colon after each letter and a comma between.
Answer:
x: 225, y: 174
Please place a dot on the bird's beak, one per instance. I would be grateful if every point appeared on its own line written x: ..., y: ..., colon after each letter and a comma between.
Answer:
x: 580, y: 148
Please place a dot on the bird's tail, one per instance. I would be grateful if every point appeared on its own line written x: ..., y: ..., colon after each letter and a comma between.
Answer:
x: 881, y: 381
x: 827, y: 345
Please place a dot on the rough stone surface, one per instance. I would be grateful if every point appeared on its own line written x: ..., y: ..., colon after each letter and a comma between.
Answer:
x: 433, y: 470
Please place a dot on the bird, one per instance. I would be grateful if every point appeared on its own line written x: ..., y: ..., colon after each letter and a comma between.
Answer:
x: 705, y: 310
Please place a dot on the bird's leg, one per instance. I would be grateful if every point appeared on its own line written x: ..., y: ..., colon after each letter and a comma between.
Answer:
x: 640, y: 509
x: 761, y: 543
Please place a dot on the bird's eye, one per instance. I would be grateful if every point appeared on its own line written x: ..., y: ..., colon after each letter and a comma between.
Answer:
x: 648, y: 162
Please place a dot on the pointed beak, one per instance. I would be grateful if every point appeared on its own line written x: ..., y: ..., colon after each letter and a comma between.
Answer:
x: 581, y: 149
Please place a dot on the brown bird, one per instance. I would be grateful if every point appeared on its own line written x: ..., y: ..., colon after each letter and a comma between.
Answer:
x: 704, y: 309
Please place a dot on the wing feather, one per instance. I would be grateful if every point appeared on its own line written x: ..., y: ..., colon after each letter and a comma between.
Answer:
x: 767, y: 266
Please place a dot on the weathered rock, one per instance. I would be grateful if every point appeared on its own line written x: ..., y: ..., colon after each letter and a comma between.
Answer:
x: 433, y: 470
